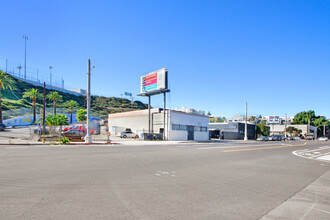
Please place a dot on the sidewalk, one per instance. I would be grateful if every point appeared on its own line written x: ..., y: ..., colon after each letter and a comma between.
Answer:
x: 310, y: 203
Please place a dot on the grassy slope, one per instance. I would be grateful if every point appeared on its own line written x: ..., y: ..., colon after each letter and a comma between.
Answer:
x: 101, y: 106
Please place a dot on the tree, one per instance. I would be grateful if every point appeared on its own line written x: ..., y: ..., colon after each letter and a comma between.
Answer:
x: 71, y: 104
x: 263, y: 129
x: 217, y: 119
x: 55, y: 97
x: 6, y: 82
x: 302, y: 118
x: 33, y: 94
x: 293, y: 131
x: 319, y: 123
x: 290, y: 130
x: 81, y: 115
x: 56, y: 120
x: 252, y: 118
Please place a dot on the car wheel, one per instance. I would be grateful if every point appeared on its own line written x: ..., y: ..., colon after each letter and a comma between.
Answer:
x: 125, y: 136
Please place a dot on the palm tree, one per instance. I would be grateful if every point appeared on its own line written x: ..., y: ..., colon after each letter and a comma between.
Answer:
x: 6, y: 82
x: 55, y: 97
x: 33, y: 94
x: 71, y: 104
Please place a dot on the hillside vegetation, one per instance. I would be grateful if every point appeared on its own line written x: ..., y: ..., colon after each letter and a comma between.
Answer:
x: 101, y: 106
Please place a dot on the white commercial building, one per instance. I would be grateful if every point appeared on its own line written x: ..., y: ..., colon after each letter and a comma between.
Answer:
x: 280, y: 129
x: 179, y: 126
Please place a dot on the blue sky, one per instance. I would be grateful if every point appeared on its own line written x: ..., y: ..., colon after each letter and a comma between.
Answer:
x: 219, y: 54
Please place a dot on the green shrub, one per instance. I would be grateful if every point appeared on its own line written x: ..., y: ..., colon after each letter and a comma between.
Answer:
x: 64, y: 140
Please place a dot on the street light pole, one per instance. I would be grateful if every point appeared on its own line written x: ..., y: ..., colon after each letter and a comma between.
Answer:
x: 25, y: 38
x: 19, y: 70
x: 50, y: 75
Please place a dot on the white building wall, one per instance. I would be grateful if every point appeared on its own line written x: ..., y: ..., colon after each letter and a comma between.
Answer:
x: 202, y: 136
x: 178, y: 135
x: 276, y: 129
x: 137, y: 121
x: 181, y: 118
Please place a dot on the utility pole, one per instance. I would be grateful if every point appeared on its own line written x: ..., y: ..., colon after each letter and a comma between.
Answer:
x: 6, y: 65
x: 286, y: 121
x: 309, y: 127
x: 245, y: 135
x: 44, y: 112
x: 88, y: 138
x: 25, y: 38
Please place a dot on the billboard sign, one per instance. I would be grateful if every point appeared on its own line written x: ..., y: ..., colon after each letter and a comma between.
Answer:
x: 154, y: 81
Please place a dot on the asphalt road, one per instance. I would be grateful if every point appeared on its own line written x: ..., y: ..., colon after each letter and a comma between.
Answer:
x: 184, y: 181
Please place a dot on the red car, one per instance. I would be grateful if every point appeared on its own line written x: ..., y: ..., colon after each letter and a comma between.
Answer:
x: 80, y: 128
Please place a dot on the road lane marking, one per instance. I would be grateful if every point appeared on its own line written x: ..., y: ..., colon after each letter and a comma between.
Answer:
x: 265, y: 148
x: 325, y: 157
x: 315, y: 154
x: 236, y: 146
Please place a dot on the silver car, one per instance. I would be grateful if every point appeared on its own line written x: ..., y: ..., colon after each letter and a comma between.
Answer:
x: 128, y: 134
x: 323, y: 139
x: 263, y: 138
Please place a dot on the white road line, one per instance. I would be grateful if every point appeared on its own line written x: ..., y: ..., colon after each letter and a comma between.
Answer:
x: 240, y: 146
x: 314, y: 154
x: 325, y: 157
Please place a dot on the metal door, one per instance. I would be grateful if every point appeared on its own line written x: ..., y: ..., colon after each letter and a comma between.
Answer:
x: 190, y: 130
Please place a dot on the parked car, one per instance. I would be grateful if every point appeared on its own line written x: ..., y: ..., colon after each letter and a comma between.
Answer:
x: 309, y: 137
x: 290, y: 138
x: 296, y: 138
x: 323, y: 139
x: 2, y: 127
x: 281, y: 137
x: 263, y: 138
x: 128, y: 134
x: 80, y: 128
x: 274, y: 138
x: 74, y: 132
x: 38, y: 130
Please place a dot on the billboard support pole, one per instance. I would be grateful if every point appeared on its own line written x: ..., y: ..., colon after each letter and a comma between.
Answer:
x: 164, y: 115
x: 149, y: 112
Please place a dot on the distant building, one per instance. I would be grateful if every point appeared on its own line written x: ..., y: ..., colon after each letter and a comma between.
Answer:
x: 190, y: 110
x: 276, y: 120
x: 232, y: 130
x: 240, y: 118
x: 80, y: 91
x: 280, y: 129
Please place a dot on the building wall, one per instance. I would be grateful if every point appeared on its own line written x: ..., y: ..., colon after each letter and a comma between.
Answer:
x: 178, y: 135
x: 235, y: 130
x: 181, y: 118
x: 201, y: 136
x: 280, y: 129
x: 137, y: 121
